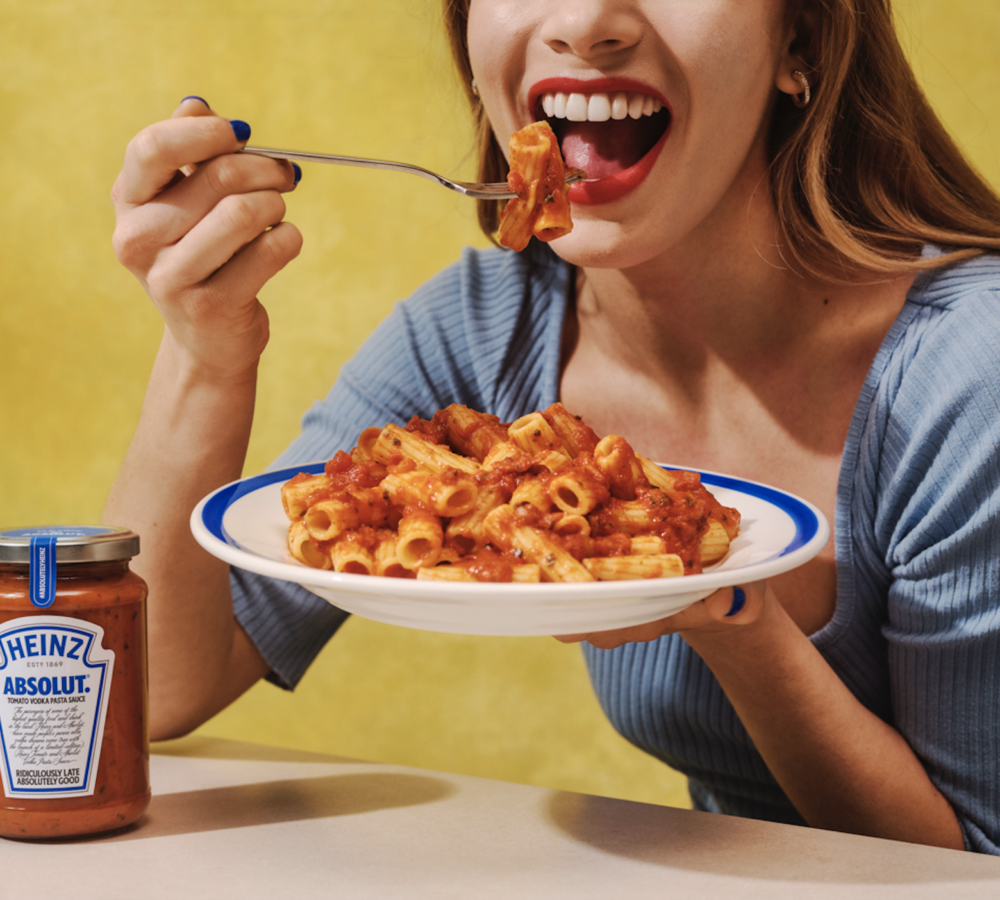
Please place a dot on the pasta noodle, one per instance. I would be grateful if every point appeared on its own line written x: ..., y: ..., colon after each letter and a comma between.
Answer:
x: 464, y: 497
x: 538, y: 177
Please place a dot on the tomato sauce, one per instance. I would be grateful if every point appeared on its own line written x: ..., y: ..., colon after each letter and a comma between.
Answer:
x: 589, y: 496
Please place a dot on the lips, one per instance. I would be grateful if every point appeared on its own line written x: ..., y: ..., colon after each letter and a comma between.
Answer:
x: 613, y: 129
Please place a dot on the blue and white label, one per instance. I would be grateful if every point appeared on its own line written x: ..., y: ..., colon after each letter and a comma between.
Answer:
x: 42, y: 571
x: 56, y: 678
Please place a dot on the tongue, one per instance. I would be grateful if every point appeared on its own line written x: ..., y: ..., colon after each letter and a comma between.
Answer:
x: 603, y: 148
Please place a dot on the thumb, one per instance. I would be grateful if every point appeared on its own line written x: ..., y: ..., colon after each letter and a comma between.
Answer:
x: 739, y: 605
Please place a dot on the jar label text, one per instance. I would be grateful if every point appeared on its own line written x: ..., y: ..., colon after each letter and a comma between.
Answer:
x: 55, y: 675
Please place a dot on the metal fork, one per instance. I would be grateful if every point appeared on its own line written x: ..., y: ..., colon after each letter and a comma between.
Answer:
x: 469, y: 189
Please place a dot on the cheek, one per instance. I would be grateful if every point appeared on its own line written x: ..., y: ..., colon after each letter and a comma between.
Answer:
x: 477, y: 35
x: 495, y: 31
x: 497, y: 35
x: 720, y: 45
x: 726, y: 81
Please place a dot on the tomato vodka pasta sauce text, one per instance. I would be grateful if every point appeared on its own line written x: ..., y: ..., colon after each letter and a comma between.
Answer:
x: 538, y: 177
x: 464, y: 497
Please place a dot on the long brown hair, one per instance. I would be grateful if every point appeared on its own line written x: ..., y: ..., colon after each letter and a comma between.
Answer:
x: 863, y: 177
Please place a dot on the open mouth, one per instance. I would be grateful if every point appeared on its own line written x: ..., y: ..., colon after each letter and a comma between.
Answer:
x: 604, y: 133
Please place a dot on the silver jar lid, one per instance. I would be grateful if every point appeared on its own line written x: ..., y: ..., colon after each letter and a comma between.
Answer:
x: 74, y: 543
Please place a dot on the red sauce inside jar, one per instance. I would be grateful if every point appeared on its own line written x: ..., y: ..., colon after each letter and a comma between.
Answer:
x: 107, y: 594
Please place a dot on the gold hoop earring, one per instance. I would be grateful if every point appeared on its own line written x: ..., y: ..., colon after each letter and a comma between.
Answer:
x: 802, y: 100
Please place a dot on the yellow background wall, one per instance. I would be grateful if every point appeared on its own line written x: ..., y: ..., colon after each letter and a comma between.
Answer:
x: 77, y: 79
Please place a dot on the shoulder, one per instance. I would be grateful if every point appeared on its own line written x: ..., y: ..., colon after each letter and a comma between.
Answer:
x: 951, y: 318
x: 486, y: 289
x: 485, y: 332
x: 947, y: 286
x: 943, y: 351
x: 954, y: 310
x: 481, y: 332
x: 930, y: 430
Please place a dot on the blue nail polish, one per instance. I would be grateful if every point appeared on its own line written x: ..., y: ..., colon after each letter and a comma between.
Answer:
x: 240, y: 129
x: 196, y: 97
x: 298, y: 172
x: 739, y: 599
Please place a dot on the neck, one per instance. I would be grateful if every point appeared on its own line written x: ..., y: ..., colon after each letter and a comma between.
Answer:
x: 701, y: 325
x: 720, y: 277
x: 722, y: 297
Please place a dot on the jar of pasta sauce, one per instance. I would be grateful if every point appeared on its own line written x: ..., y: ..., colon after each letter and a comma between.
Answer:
x: 73, y: 708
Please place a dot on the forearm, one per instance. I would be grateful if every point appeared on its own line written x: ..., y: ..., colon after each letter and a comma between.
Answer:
x: 841, y: 766
x: 192, y: 438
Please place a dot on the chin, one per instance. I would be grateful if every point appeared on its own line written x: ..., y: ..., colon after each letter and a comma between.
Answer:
x: 602, y: 244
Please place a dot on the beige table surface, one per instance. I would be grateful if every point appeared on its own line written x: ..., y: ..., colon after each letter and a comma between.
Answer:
x: 246, y: 821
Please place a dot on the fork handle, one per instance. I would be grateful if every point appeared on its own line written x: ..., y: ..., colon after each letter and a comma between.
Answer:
x: 387, y: 165
x: 330, y: 159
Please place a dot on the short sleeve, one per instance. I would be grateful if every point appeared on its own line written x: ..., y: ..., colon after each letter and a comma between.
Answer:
x: 288, y: 624
x: 937, y: 529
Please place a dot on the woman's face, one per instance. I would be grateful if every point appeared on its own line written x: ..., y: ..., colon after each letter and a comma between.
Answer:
x: 663, y: 102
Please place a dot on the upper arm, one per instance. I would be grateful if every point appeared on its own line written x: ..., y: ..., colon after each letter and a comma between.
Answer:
x: 938, y: 527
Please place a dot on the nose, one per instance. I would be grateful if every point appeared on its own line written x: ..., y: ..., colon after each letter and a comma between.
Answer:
x: 592, y: 28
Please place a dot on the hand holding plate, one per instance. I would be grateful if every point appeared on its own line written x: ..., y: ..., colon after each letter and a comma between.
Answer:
x: 719, y: 612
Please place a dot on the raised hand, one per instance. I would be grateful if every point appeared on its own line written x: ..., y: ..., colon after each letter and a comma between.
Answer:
x: 201, y: 227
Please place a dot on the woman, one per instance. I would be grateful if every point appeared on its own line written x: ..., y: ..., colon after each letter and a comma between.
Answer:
x: 766, y: 278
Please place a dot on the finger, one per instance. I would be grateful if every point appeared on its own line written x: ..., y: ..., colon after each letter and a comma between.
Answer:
x: 635, y: 634
x: 193, y: 106
x: 232, y: 173
x: 631, y: 634
x: 234, y: 222
x: 143, y: 231
x: 259, y: 261
x: 155, y: 155
x: 727, y: 606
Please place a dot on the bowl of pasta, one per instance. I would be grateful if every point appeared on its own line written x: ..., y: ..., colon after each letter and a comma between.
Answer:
x: 464, y: 524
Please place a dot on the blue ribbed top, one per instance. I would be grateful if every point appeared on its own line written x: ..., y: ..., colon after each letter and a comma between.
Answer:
x: 916, y: 631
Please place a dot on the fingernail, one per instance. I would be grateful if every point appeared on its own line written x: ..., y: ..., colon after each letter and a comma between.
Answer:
x: 297, y: 171
x: 240, y: 129
x: 196, y: 97
x: 739, y: 598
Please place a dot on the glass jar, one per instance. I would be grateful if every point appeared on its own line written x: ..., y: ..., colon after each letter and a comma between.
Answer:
x: 74, y: 734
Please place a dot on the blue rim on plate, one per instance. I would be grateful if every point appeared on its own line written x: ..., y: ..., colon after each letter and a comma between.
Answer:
x: 244, y: 524
x: 218, y: 503
x: 807, y: 521
x: 806, y: 518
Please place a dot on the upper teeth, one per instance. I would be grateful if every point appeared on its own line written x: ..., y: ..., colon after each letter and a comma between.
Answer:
x: 599, y: 107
